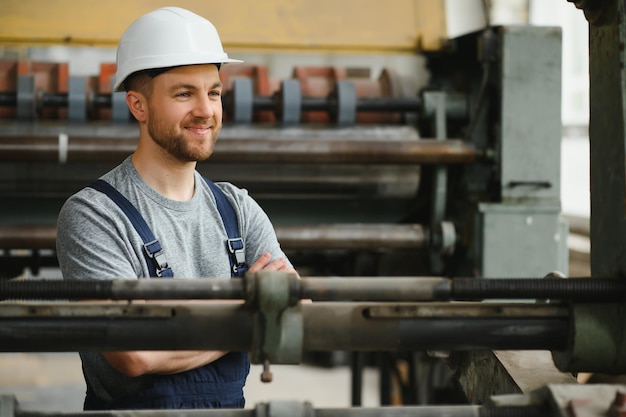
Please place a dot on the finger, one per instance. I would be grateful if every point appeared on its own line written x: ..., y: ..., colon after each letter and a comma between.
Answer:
x: 260, y: 263
x: 276, y: 265
x: 290, y: 270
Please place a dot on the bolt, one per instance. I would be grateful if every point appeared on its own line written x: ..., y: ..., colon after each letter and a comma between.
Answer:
x: 266, y: 375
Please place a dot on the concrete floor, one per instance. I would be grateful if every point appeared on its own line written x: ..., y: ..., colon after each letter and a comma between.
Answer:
x: 54, y: 382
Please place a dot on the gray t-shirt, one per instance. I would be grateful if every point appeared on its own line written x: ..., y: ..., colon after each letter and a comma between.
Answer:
x: 95, y: 240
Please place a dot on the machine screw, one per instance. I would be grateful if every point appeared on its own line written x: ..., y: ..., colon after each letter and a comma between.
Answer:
x: 266, y: 375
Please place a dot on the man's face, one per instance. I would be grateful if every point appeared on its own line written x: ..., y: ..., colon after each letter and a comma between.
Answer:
x: 185, y: 111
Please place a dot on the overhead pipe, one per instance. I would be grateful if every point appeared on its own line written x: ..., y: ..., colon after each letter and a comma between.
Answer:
x: 81, y: 148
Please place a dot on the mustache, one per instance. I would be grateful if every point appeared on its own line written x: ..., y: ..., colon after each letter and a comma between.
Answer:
x: 202, y: 122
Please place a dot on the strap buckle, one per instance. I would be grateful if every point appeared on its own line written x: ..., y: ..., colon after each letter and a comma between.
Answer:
x: 155, y: 252
x: 237, y: 249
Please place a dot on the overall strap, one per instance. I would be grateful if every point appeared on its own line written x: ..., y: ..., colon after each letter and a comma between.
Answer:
x: 234, y: 243
x: 155, y: 258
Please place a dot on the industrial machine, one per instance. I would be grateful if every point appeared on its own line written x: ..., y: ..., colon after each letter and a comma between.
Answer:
x: 451, y: 173
x: 360, y: 176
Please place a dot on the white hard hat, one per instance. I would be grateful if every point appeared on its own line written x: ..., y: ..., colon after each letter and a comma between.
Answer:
x: 167, y: 37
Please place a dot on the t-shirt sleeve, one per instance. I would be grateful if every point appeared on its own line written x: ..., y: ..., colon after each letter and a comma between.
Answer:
x: 255, y: 226
x: 92, y: 240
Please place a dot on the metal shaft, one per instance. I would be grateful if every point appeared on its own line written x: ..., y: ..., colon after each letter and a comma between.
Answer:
x: 368, y: 104
x: 242, y: 150
x: 363, y: 104
x: 353, y: 236
x: 339, y: 236
x: 294, y: 409
x: 59, y: 327
x: 398, y: 289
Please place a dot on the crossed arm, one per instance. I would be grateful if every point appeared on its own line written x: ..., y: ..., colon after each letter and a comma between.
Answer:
x: 136, y: 363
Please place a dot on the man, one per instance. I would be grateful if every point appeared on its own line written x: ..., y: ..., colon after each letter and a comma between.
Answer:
x: 168, y: 63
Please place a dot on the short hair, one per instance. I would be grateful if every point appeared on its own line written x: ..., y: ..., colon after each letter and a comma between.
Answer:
x: 140, y: 80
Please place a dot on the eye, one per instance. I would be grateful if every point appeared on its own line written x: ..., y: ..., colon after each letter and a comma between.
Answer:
x: 215, y: 93
x: 183, y: 94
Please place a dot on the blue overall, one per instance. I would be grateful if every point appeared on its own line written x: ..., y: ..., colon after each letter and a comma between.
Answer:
x: 216, y: 385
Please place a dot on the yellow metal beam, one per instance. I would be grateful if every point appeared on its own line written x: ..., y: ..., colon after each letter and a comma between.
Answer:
x: 400, y: 26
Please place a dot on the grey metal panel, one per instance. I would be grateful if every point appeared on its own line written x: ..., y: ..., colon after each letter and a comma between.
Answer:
x: 119, y: 110
x: 77, y: 99
x: 522, y: 241
x: 524, y: 235
x: 531, y: 112
x: 26, y: 103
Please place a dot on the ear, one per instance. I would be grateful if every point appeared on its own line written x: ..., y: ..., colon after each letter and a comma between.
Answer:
x: 137, y: 105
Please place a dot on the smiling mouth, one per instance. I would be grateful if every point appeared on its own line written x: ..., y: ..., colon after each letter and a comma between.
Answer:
x: 199, y: 130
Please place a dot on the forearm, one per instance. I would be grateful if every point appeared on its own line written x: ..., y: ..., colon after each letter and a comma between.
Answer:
x: 136, y: 363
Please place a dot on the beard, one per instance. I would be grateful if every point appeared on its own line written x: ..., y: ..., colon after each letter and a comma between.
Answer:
x: 172, y: 140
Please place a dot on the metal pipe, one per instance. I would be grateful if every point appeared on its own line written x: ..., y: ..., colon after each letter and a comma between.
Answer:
x: 357, y: 236
x: 246, y: 150
x: 56, y: 100
x: 27, y: 237
x: 373, y: 289
x: 8, y: 99
x: 432, y: 326
x: 340, y: 236
x: 53, y: 100
x: 438, y: 410
x: 271, y: 409
x: 217, y: 412
x: 366, y: 104
x: 123, y: 289
x: 398, y: 289
x: 259, y: 103
x: 388, y: 104
x: 425, y: 151
x: 316, y: 104
x: 65, y: 327
x: 575, y: 289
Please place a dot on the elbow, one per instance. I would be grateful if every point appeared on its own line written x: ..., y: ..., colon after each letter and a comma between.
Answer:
x: 130, y: 364
x: 131, y: 370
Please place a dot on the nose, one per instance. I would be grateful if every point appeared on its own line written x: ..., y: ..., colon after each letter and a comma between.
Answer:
x: 205, y: 107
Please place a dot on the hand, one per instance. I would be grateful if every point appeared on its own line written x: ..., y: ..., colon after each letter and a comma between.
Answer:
x: 265, y: 263
x: 280, y: 264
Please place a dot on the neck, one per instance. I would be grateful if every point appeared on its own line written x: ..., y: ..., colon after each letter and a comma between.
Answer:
x: 164, y: 174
